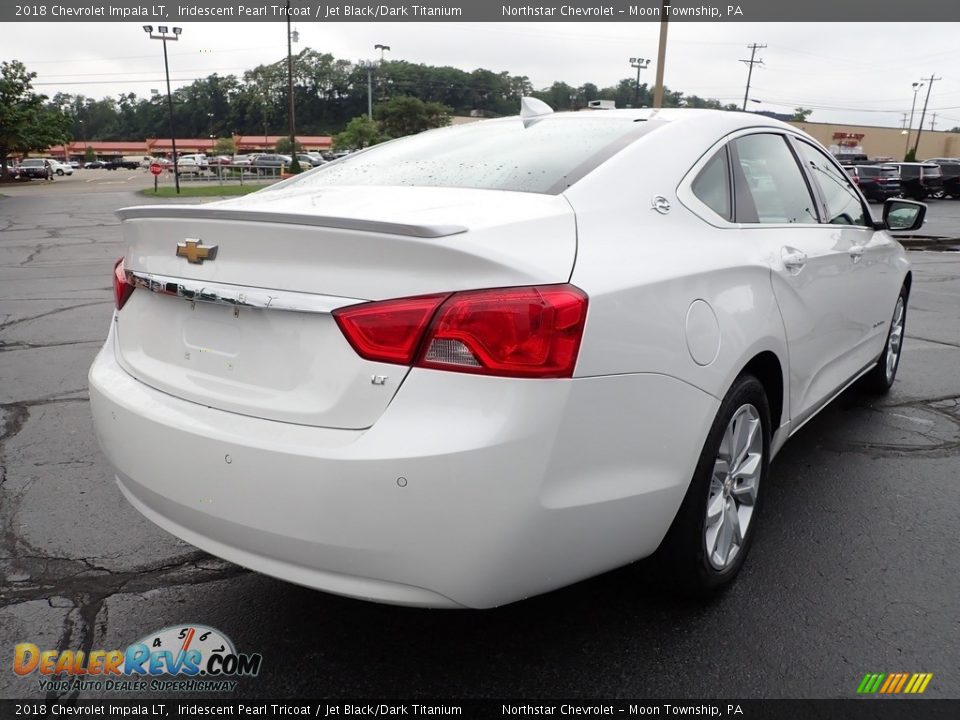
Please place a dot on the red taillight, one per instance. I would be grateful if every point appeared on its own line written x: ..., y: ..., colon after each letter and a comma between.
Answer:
x: 121, y: 288
x: 514, y: 332
x: 388, y: 331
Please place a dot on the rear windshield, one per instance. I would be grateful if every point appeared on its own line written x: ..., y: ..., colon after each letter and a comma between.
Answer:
x: 910, y: 171
x: 868, y: 172
x: 490, y: 155
x: 932, y: 171
x: 889, y: 172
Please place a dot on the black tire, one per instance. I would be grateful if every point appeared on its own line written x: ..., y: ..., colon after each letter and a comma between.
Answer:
x: 881, y: 378
x: 59, y: 172
x: 683, y: 556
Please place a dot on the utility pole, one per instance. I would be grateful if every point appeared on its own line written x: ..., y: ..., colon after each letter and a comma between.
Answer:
x: 913, y: 106
x: 294, y: 160
x: 933, y: 122
x: 903, y: 123
x: 661, y: 55
x: 751, y: 62
x: 930, y: 80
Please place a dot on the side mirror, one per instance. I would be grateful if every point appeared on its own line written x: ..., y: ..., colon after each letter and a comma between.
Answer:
x: 902, y: 215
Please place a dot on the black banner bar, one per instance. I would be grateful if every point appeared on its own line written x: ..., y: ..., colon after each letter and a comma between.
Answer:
x: 851, y: 709
x: 182, y: 11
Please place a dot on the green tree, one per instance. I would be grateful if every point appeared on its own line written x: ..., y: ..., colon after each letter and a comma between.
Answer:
x: 361, y: 132
x: 801, y: 114
x: 89, y: 155
x: 283, y: 146
x: 25, y: 123
x: 224, y: 146
x: 407, y: 115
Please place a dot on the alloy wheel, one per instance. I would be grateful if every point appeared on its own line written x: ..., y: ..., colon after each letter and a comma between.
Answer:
x: 733, y: 487
x: 895, y: 342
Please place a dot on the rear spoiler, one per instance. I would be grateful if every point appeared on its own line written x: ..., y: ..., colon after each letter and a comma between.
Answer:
x: 342, y: 223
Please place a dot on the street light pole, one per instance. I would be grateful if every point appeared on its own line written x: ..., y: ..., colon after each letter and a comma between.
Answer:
x: 295, y: 162
x: 639, y: 64
x: 368, y: 64
x: 162, y: 29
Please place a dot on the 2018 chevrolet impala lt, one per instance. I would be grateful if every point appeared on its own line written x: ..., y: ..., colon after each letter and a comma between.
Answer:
x: 473, y: 365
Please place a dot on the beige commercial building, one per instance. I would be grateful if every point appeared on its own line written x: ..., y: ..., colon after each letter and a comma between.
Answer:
x: 883, y: 142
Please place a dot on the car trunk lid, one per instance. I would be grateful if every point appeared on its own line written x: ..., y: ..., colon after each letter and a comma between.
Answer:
x: 248, y: 329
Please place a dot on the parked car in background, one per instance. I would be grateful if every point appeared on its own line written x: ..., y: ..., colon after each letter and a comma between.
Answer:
x: 919, y: 180
x: 851, y: 158
x: 198, y: 160
x: 876, y: 182
x: 950, y: 170
x: 60, y: 168
x: 119, y: 163
x: 190, y: 166
x: 220, y: 160
x: 316, y: 158
x: 306, y: 162
x: 482, y: 362
x: 242, y: 161
x: 94, y: 165
x: 36, y: 169
x: 268, y: 163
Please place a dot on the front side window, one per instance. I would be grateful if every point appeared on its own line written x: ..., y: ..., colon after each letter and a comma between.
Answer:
x: 774, y: 181
x: 843, y: 202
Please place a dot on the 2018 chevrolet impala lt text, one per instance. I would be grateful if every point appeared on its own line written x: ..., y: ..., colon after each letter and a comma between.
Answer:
x: 480, y: 363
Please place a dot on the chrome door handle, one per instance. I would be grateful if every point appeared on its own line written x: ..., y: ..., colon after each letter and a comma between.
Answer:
x: 856, y: 253
x: 793, y: 259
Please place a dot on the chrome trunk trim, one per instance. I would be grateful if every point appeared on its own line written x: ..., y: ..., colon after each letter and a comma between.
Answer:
x: 237, y: 295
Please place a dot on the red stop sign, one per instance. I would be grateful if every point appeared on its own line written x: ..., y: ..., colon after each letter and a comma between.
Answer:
x: 156, y: 168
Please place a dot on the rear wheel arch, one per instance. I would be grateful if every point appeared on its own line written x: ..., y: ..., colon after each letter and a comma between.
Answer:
x: 767, y: 369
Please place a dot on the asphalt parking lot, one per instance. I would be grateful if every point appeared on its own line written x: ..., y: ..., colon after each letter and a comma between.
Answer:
x: 855, y: 568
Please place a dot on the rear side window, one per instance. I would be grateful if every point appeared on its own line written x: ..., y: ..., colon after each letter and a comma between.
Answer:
x: 909, y: 171
x: 712, y: 185
x: 843, y: 202
x: 774, y: 181
x: 932, y: 171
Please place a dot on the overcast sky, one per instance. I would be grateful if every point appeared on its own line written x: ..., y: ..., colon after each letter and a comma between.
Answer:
x: 846, y: 72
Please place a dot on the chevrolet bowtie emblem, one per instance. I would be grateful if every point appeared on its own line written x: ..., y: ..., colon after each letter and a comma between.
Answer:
x: 194, y: 252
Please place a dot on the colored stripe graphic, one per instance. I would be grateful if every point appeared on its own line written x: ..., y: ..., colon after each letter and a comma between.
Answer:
x: 870, y: 683
x: 894, y: 683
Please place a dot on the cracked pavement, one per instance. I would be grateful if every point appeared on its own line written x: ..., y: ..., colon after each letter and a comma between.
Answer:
x: 855, y: 567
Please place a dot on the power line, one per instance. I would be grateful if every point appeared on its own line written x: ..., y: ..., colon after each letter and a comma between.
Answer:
x: 750, y: 63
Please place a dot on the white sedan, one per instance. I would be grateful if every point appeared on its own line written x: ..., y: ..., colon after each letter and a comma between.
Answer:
x: 483, y: 362
x: 60, y: 168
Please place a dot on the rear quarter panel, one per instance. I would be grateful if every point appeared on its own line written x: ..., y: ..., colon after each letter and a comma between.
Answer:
x: 643, y: 269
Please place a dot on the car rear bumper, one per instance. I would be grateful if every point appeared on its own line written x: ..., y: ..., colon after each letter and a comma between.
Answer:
x: 468, y: 491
